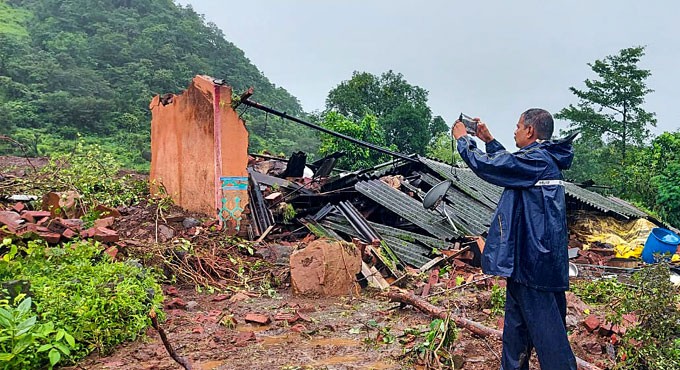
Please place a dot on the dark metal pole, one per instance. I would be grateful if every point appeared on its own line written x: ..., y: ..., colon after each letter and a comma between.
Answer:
x: 244, y: 100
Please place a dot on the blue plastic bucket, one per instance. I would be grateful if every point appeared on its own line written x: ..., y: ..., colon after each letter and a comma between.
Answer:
x: 660, y: 241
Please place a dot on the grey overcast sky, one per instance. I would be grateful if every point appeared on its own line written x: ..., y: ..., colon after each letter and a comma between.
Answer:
x: 492, y: 59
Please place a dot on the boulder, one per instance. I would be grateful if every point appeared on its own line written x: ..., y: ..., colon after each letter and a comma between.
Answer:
x: 325, y: 268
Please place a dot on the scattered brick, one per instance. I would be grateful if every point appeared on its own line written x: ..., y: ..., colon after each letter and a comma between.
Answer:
x: 50, y: 237
x: 11, y: 219
x: 605, y: 329
x: 19, y: 207
x: 104, y: 222
x: 105, y: 211
x: 592, y: 348
x: 172, y: 291
x: 37, y: 214
x: 288, y: 317
x: 257, y: 318
x: 243, y: 338
x: 298, y: 328
x: 69, y: 234
x: 591, y: 323
x: 74, y: 224
x: 220, y: 298
x: 105, y: 235
x: 112, y: 251
x: 176, y: 303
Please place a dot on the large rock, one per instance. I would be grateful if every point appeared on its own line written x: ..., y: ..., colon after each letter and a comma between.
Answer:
x: 325, y: 268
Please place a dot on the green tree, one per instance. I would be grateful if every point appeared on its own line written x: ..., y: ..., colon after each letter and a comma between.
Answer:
x: 443, y: 148
x: 611, y: 107
x: 356, y: 157
x: 400, y: 108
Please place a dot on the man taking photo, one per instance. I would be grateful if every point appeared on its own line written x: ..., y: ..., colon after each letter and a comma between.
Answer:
x: 528, y: 237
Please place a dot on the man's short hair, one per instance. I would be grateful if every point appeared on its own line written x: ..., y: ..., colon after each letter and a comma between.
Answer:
x: 541, y: 121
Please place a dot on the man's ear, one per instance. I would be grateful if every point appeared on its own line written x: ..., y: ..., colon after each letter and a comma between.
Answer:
x: 531, y: 132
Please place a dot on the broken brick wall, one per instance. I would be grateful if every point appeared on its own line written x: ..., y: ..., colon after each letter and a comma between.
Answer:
x: 199, y: 151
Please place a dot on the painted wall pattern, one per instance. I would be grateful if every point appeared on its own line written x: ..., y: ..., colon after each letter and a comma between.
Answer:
x: 233, y: 188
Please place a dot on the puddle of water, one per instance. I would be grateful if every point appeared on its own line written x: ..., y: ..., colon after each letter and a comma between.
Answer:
x: 350, y: 359
x: 253, y: 328
x: 338, y: 342
x: 210, y: 365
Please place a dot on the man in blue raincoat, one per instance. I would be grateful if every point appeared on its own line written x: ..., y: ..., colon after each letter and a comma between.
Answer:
x: 527, y: 240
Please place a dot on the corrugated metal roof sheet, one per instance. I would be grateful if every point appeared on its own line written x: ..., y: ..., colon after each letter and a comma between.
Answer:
x: 601, y: 202
x: 408, y: 208
x: 473, y: 215
x: 466, y: 181
x: 411, y: 253
x: 489, y: 194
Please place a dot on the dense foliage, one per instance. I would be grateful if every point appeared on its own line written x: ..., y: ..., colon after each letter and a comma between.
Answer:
x: 81, y: 302
x: 92, y: 67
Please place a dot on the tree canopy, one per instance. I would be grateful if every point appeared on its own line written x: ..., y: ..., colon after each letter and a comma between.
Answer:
x: 611, y: 106
x: 400, y: 108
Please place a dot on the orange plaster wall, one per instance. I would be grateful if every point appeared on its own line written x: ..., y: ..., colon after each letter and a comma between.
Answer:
x: 185, y: 157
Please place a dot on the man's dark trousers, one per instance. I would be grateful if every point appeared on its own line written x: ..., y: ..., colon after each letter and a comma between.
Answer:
x: 535, y: 319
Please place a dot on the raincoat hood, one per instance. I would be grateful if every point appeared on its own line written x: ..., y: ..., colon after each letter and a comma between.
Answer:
x: 560, y: 150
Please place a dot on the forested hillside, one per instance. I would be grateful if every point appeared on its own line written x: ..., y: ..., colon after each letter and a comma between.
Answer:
x: 90, y: 68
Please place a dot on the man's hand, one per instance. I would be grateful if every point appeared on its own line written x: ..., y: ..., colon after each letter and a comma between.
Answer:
x: 458, y: 130
x: 483, y: 132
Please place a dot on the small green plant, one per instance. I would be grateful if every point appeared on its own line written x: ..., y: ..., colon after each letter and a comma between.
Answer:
x: 25, y: 343
x: 601, y: 291
x: 435, y: 349
x: 497, y: 300
x: 289, y: 213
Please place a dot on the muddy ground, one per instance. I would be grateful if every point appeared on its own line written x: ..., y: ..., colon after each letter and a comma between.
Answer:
x: 360, y: 332
x: 332, y: 333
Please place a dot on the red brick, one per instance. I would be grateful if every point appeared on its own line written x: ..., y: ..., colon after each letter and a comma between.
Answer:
x: 43, y: 221
x: 288, y: 317
x: 74, y: 224
x: 243, y: 338
x: 11, y: 219
x: 257, y: 318
x: 19, y: 207
x: 69, y: 234
x: 298, y: 328
x: 104, y: 222
x: 605, y: 329
x: 112, y: 251
x: 50, y: 237
x: 105, y: 211
x: 591, y: 323
x: 593, y: 348
x: 176, y: 303
x: 28, y: 218
x: 105, y: 235
x: 88, y: 233
x: 37, y: 214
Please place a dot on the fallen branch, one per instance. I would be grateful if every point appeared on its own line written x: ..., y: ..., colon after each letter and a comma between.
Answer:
x: 179, y: 359
x: 406, y: 297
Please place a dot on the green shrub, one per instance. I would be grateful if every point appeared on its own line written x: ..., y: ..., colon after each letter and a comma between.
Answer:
x: 78, y: 290
x: 654, y: 343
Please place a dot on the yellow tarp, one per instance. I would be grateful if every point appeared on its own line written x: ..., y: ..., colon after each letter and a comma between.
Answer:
x: 627, y: 237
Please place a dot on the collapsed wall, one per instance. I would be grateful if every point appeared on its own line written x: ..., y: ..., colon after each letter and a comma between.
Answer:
x: 199, y: 149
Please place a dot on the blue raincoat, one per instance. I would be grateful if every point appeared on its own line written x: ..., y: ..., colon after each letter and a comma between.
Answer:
x: 528, y: 237
x: 527, y: 243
